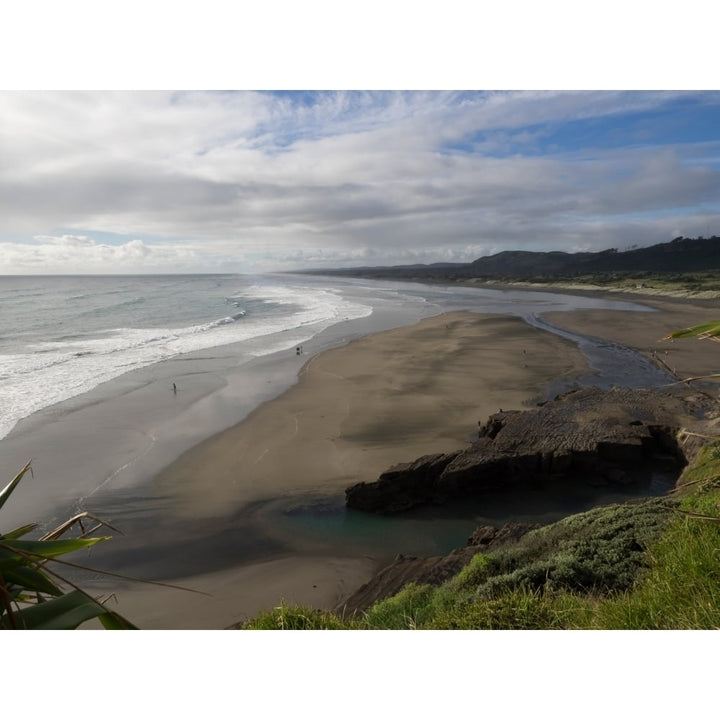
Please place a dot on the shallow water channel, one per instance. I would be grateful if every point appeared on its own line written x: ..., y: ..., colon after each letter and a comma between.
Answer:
x: 437, y: 530
x: 312, y: 524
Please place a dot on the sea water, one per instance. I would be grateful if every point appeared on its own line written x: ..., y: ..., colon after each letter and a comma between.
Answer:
x: 62, y: 336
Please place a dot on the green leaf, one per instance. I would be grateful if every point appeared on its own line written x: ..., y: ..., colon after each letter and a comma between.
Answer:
x: 708, y: 330
x: 61, y: 613
x: 50, y: 548
x: 7, y: 490
x: 113, y: 621
x: 25, y: 582
x: 19, y: 532
x: 30, y: 578
x: 9, y: 559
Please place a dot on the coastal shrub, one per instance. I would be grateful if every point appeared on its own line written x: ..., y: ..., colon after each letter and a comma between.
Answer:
x: 680, y: 590
x: 652, y: 564
x: 600, y: 550
x: 35, y: 596
x: 408, y: 610
x: 517, y: 609
x: 293, y: 617
x: 675, y: 583
x: 704, y: 474
x: 554, y: 577
x: 474, y: 573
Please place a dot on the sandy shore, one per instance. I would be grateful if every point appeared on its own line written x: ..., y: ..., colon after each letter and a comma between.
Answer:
x: 356, y: 410
x: 644, y: 332
x: 382, y: 399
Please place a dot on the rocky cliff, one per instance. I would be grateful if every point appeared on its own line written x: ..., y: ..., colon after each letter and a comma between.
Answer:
x: 591, y: 436
x: 586, y: 436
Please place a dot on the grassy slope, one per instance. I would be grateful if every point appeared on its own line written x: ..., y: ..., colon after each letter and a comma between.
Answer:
x: 642, y: 565
x: 648, y: 565
x: 701, y: 284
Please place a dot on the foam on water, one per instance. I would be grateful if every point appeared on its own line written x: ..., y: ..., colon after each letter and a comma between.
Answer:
x: 61, y: 337
x: 39, y: 373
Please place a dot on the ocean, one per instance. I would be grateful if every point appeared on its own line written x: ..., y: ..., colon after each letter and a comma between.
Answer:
x: 87, y: 367
x: 63, y: 336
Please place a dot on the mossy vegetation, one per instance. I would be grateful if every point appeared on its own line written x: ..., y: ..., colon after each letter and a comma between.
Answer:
x: 294, y: 617
x: 700, y: 283
x: 652, y: 564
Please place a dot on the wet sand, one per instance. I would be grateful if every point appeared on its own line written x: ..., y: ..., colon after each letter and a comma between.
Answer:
x: 382, y: 399
x: 644, y: 332
x: 108, y: 443
x: 355, y: 411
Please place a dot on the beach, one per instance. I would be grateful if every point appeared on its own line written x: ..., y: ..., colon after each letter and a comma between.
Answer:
x: 643, y: 332
x: 356, y: 410
x: 381, y: 399
x: 239, y: 496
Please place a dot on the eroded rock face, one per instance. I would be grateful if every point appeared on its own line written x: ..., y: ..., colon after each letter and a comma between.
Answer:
x: 402, y: 487
x: 488, y: 537
x: 590, y: 435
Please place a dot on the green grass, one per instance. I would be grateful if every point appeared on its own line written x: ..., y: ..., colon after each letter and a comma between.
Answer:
x: 670, y: 282
x: 681, y: 589
x: 653, y: 564
x: 293, y: 617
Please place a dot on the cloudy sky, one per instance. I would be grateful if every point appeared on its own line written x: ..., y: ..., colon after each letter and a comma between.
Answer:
x: 143, y: 181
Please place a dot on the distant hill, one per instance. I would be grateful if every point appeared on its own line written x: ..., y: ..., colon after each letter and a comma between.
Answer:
x: 679, y: 255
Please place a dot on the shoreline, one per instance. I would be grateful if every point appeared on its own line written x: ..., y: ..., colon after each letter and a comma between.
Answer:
x: 341, y: 419
x: 141, y: 426
x: 339, y: 424
x: 193, y: 517
x: 643, y: 332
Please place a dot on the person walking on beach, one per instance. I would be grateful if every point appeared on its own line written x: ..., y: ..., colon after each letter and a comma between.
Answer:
x: 174, y: 389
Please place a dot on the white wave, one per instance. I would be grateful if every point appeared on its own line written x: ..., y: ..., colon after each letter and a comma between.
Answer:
x: 50, y: 372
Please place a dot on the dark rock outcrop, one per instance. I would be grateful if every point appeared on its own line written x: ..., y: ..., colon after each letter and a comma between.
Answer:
x: 488, y: 537
x: 401, y: 487
x: 590, y: 435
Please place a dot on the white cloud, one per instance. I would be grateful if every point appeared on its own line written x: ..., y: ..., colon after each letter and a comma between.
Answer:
x: 72, y: 255
x: 229, y: 181
x: 66, y: 240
